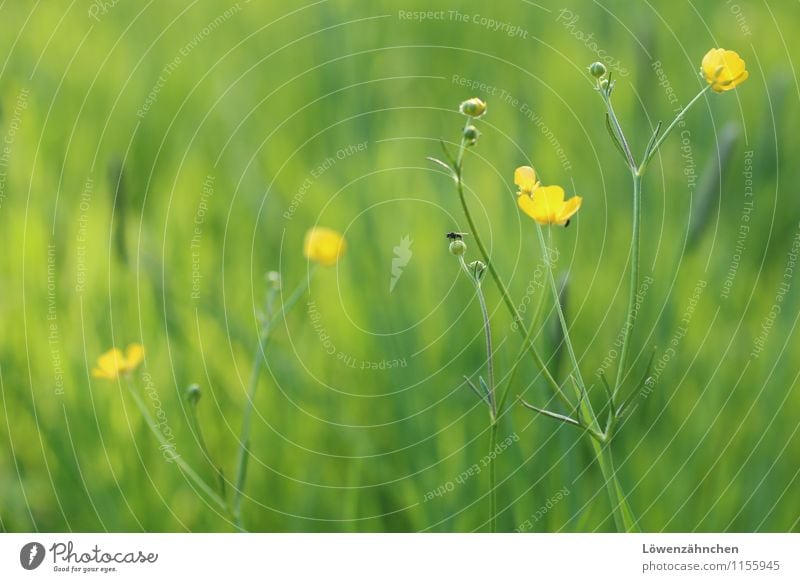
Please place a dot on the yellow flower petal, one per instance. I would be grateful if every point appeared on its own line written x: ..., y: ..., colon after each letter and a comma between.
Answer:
x: 569, y: 208
x: 723, y: 69
x: 547, y: 205
x: 525, y: 203
x: 550, y: 199
x: 324, y: 245
x: 113, y: 363
x: 525, y: 179
x: 133, y: 356
x: 108, y: 364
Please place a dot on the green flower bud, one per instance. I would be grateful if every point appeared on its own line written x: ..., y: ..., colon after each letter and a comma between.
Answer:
x: 458, y: 247
x: 273, y: 280
x: 478, y: 269
x: 193, y: 393
x: 597, y: 70
x: 606, y: 87
x: 474, y: 107
x: 471, y: 135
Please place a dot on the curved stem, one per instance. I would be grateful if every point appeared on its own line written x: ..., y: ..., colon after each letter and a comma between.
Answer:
x: 506, y: 296
x: 244, y: 439
x: 255, y: 372
x: 631, y: 313
x: 166, y: 445
x: 669, y: 129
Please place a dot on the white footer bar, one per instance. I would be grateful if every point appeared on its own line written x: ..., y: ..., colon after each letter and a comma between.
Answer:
x: 406, y: 557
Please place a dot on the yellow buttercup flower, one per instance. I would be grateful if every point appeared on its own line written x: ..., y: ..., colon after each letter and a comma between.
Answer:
x: 724, y: 70
x: 544, y: 204
x: 324, y: 245
x: 113, y: 363
x: 547, y: 205
x: 525, y: 179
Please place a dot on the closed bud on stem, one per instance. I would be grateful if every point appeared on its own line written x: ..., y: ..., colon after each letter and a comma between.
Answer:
x: 273, y: 280
x: 471, y: 135
x: 458, y: 248
x: 606, y: 86
x: 478, y: 269
x: 597, y: 70
x: 193, y: 393
x: 474, y: 107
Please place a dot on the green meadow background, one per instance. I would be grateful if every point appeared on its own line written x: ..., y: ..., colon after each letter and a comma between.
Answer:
x: 158, y: 158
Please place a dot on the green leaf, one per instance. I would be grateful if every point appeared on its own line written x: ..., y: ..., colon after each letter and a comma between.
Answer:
x: 551, y: 414
x: 652, y: 142
x: 612, y: 409
x: 481, y: 397
x: 489, y: 394
x: 623, y: 410
x: 447, y: 153
x: 615, y: 139
x: 443, y: 165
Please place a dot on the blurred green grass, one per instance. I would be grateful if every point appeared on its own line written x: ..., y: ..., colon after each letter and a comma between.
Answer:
x: 260, y: 102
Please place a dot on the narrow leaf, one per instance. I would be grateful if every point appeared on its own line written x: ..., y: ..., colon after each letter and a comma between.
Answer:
x: 652, y: 142
x: 481, y: 397
x: 442, y: 164
x: 447, y: 153
x: 633, y: 395
x: 550, y: 414
x: 609, y: 392
x: 489, y: 394
x: 614, y: 138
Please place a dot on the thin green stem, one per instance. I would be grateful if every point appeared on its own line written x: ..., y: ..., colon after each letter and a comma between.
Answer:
x: 559, y: 311
x: 631, y: 313
x: 247, y: 414
x: 523, y: 329
x: 244, y: 439
x: 669, y: 129
x: 487, y: 328
x: 618, y: 128
x: 493, y: 475
x: 461, y: 148
x: 487, y: 332
x: 201, y: 441
x: 166, y: 445
x: 624, y: 519
x: 537, y: 314
x: 495, y: 275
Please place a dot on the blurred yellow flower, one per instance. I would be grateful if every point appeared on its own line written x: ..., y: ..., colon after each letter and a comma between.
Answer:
x: 113, y: 363
x: 525, y: 179
x: 547, y: 205
x: 724, y: 70
x: 324, y: 245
